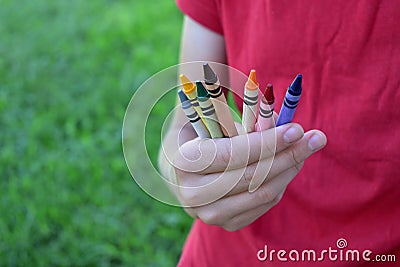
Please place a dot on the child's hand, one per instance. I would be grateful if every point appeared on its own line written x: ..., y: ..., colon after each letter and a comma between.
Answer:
x: 214, y: 175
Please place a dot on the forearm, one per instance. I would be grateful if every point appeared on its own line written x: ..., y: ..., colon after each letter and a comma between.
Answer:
x: 181, y: 131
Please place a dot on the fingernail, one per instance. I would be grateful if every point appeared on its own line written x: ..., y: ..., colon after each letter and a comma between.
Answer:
x: 292, y: 134
x: 316, y: 142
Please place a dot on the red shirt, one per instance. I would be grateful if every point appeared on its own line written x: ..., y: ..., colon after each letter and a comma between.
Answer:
x: 349, y: 54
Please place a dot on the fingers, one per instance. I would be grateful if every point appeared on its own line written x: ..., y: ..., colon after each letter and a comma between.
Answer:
x: 224, y: 154
x: 215, y: 185
x: 239, y: 207
x: 248, y: 217
x: 249, y: 206
x: 293, y: 156
x: 229, y: 206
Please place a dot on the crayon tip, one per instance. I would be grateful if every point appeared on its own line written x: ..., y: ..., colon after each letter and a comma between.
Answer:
x: 269, y: 93
x: 209, y: 75
x: 252, y: 83
x: 296, y: 84
x: 201, y: 91
x: 182, y: 96
x: 188, y: 86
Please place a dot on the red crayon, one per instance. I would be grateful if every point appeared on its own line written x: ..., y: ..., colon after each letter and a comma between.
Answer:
x: 269, y: 96
x: 265, y: 119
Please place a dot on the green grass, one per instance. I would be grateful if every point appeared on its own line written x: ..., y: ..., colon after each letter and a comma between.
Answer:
x: 67, y: 72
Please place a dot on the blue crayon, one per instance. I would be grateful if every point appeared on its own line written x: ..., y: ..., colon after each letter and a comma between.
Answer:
x: 291, y: 101
x: 193, y: 117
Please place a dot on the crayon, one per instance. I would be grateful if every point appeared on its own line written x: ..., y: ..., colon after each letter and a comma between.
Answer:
x: 250, y: 103
x: 193, y: 117
x: 269, y: 96
x: 189, y: 89
x: 208, y: 111
x: 265, y: 119
x: 219, y: 101
x: 291, y: 101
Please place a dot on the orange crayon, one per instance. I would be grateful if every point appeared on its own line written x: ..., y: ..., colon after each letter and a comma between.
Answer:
x: 250, y: 103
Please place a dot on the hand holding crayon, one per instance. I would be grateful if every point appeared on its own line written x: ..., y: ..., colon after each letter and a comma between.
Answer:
x: 215, y: 177
x: 230, y: 182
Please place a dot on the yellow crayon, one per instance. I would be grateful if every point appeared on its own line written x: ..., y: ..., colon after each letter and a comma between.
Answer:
x: 189, y: 89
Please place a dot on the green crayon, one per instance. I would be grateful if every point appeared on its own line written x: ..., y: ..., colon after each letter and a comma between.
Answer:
x: 208, y: 111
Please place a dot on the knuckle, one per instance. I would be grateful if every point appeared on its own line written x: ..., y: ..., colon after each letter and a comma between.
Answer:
x: 190, y: 197
x: 231, y: 227
x: 191, y: 212
x: 293, y: 158
x: 299, y: 166
x: 179, y: 174
x: 248, y: 173
x: 209, y: 216
x: 224, y: 155
x: 180, y: 162
x: 268, y: 147
x: 265, y: 195
x: 277, y: 199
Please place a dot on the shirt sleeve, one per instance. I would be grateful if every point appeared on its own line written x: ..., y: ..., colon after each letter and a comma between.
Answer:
x: 205, y: 12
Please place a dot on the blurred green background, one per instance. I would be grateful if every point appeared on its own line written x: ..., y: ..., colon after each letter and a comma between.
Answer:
x: 67, y: 72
